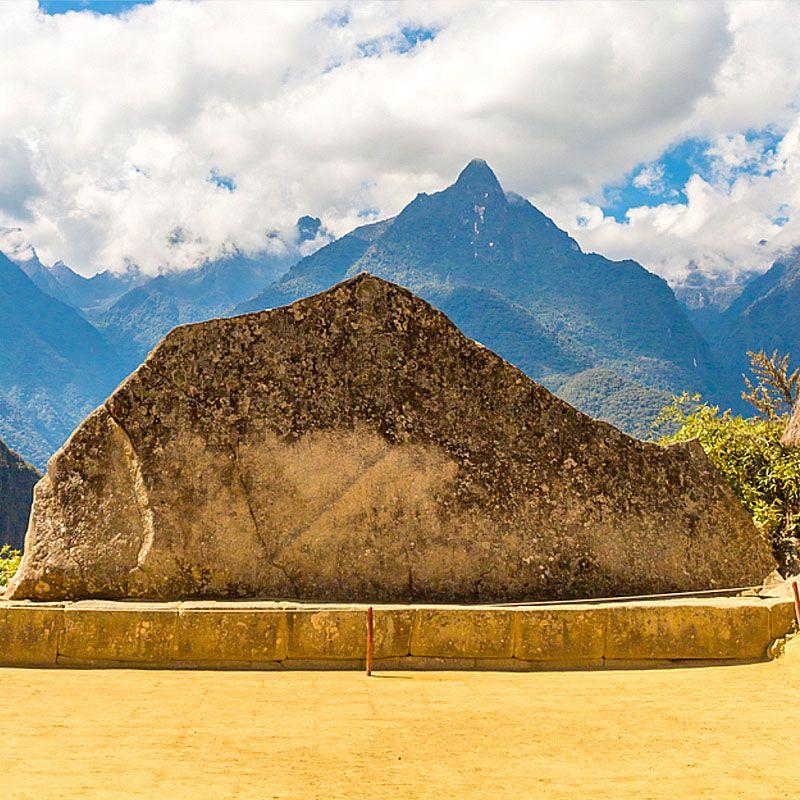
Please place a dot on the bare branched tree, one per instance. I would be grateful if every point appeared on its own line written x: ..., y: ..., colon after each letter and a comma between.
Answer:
x: 773, y: 391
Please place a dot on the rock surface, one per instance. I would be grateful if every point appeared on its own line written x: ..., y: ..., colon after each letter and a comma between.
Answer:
x: 17, y: 479
x: 357, y: 446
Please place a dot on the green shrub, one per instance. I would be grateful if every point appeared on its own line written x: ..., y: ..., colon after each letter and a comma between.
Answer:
x: 747, y: 451
x: 9, y: 562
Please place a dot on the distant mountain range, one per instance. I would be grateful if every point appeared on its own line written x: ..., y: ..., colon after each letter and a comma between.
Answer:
x: 608, y: 336
x: 757, y: 312
x: 55, y: 366
x: 705, y: 297
x: 17, y: 480
x: 134, y: 311
x: 765, y: 315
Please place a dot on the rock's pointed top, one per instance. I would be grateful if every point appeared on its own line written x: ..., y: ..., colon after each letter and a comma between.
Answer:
x: 308, y: 227
x: 478, y: 175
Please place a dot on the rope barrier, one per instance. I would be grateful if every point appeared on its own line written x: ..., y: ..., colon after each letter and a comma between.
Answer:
x: 624, y: 598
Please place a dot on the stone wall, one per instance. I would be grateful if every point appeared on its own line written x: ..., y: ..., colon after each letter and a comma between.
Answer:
x: 283, y: 636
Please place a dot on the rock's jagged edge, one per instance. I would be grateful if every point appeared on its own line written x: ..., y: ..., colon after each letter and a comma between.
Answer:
x: 356, y: 446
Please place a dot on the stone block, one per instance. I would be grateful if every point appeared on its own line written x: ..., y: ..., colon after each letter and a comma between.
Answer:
x: 393, y: 628
x: 323, y: 664
x: 566, y: 634
x: 463, y: 633
x: 222, y: 635
x: 688, y: 630
x: 98, y: 633
x: 335, y: 634
x: 29, y: 634
x: 782, y: 616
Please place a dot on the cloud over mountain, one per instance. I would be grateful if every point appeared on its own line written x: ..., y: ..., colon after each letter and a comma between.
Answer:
x: 178, y: 131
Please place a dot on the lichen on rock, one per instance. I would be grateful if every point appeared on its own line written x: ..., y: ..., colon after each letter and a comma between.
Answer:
x: 355, y: 445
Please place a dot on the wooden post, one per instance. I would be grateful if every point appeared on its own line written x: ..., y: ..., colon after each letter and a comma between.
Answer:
x: 796, y: 604
x: 370, y: 635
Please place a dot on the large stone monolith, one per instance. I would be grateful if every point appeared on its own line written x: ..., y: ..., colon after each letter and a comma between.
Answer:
x: 357, y: 446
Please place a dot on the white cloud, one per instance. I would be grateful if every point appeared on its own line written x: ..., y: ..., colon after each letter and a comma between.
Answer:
x: 18, y: 183
x: 650, y: 177
x: 731, y: 154
x: 110, y: 127
x: 15, y: 245
x: 734, y: 222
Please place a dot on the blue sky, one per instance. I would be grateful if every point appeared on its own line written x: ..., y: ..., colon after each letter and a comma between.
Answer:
x: 114, y: 7
x: 222, y: 181
x: 664, y: 180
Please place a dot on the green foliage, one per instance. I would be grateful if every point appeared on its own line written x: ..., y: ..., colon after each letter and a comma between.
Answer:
x: 747, y: 451
x: 606, y: 395
x: 775, y: 390
x: 9, y: 562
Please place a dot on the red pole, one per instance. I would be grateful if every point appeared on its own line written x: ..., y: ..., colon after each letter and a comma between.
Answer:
x: 796, y: 603
x: 370, y: 637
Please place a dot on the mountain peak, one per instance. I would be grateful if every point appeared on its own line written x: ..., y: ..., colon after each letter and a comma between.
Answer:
x: 308, y: 227
x: 477, y: 176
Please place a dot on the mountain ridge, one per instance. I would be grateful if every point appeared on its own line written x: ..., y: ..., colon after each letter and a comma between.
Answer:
x: 17, y: 479
x: 764, y: 316
x: 55, y: 366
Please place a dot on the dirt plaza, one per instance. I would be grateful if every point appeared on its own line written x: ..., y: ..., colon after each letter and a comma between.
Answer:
x: 707, y: 732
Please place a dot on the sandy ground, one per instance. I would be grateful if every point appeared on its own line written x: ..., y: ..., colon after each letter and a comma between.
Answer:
x: 712, y: 732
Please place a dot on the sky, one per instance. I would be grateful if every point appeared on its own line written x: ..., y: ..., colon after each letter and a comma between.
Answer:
x: 164, y: 133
